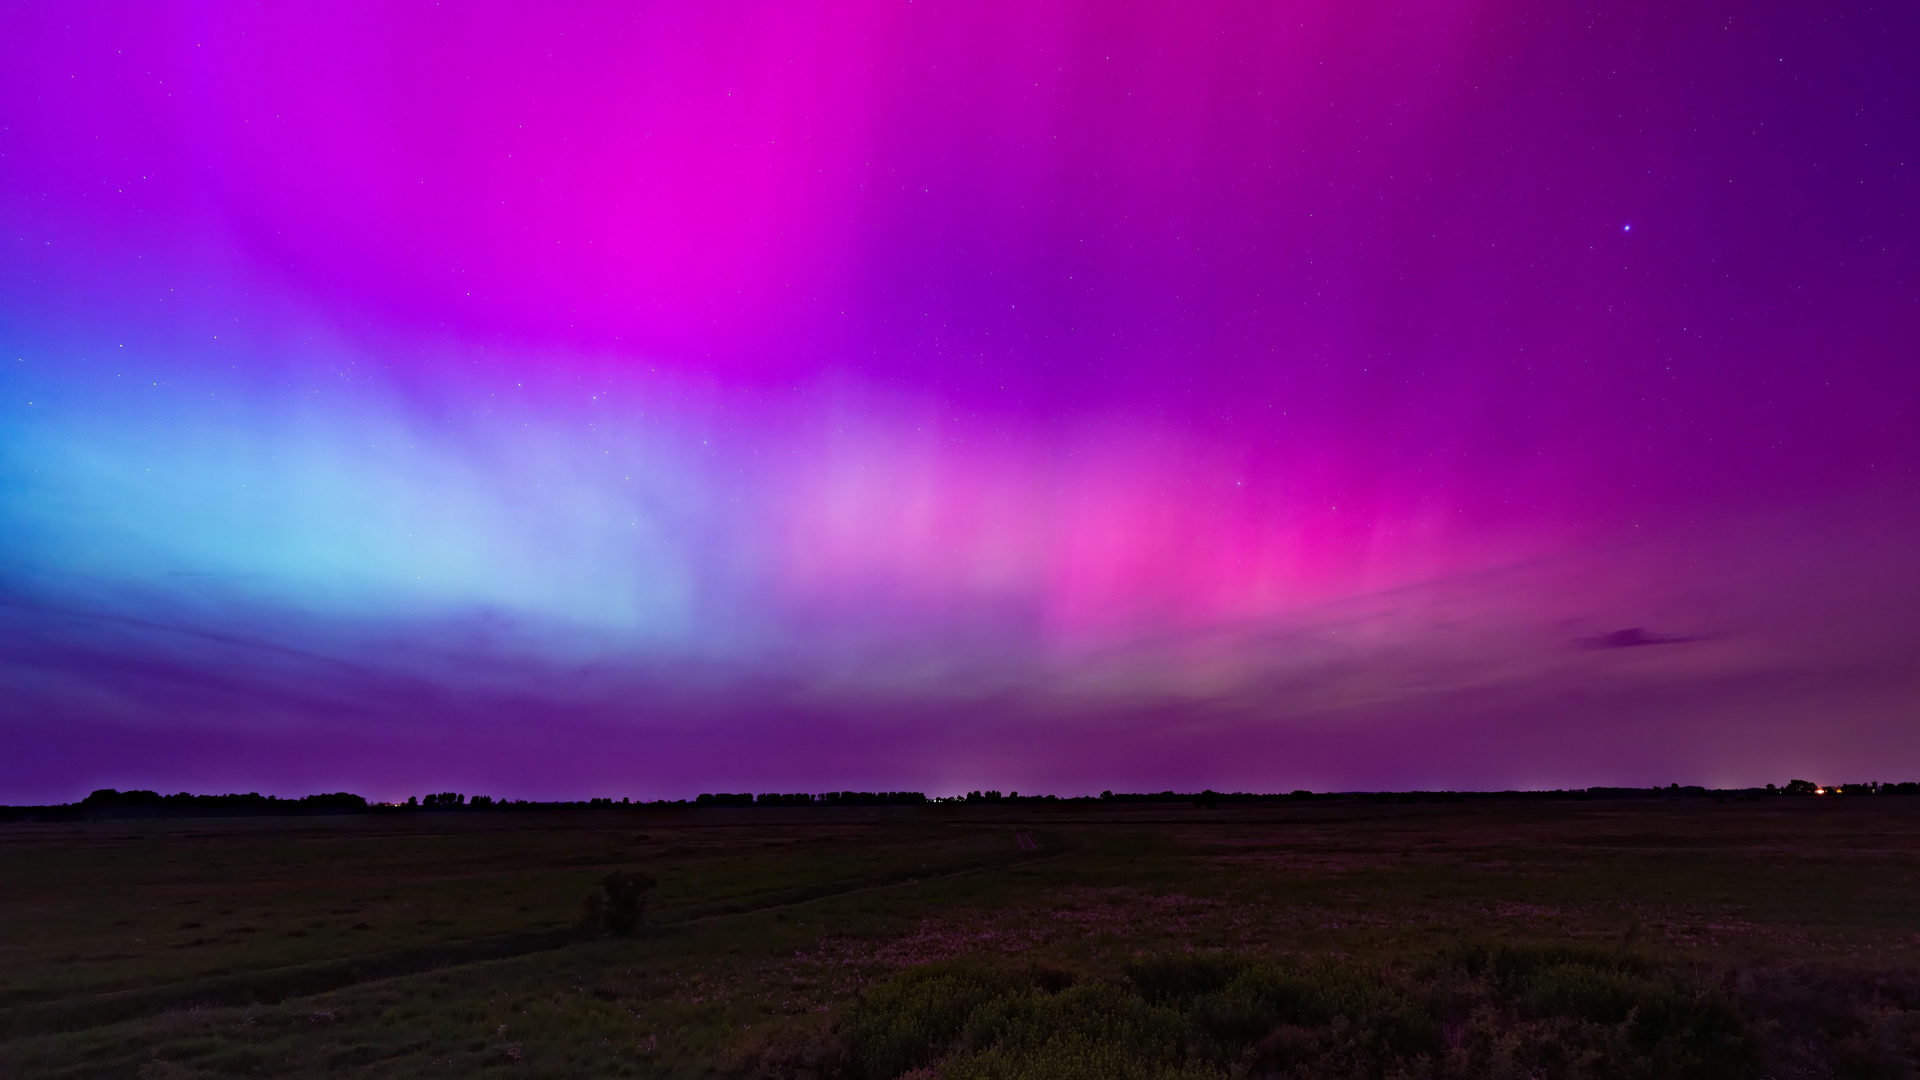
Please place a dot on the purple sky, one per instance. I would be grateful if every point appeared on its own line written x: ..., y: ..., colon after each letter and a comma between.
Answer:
x: 645, y: 399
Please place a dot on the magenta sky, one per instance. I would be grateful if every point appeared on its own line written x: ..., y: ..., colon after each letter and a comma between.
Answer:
x: 641, y: 399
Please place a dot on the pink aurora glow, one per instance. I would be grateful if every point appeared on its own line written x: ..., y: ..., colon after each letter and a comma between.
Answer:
x: 1255, y: 387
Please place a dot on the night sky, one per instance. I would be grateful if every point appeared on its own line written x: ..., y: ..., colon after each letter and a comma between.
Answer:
x: 641, y: 399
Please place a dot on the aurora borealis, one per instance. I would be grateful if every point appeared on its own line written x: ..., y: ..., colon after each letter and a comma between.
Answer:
x: 643, y: 399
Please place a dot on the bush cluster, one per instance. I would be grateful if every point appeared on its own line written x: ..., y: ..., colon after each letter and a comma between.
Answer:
x: 1509, y: 1012
x: 620, y: 906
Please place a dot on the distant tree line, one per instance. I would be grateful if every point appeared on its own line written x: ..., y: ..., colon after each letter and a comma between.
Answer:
x: 830, y: 798
x: 1808, y: 787
x: 107, y: 803
x: 110, y: 804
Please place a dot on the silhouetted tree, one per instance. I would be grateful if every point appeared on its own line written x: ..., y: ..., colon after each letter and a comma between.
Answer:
x: 620, y: 906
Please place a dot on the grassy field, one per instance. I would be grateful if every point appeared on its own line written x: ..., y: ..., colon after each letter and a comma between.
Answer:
x: 1649, y: 937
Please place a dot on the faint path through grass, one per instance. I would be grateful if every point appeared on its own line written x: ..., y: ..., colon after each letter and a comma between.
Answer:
x: 277, y: 984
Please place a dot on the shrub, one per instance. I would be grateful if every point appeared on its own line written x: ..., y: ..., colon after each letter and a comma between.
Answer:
x: 1096, y: 1031
x: 1178, y: 979
x: 620, y: 905
x: 917, y: 1017
x: 1551, y: 1012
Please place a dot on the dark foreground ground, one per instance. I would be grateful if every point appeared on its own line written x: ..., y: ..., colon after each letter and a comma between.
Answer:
x: 1643, y: 938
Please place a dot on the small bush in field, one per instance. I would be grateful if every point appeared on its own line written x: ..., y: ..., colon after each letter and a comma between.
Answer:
x: 620, y: 906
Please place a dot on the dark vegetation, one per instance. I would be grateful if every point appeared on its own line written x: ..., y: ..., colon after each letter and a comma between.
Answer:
x: 829, y: 798
x: 107, y: 803
x: 1673, y: 935
x: 619, y: 906
x: 1508, y: 1011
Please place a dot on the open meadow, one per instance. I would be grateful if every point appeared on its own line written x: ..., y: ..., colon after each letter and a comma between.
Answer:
x: 1649, y: 937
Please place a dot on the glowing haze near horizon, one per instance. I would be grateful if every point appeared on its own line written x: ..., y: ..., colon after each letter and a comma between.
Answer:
x: 643, y: 399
